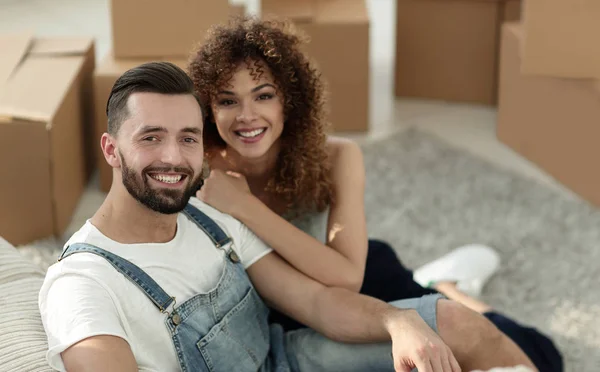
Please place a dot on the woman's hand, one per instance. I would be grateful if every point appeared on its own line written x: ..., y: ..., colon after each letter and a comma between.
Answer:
x: 226, y: 191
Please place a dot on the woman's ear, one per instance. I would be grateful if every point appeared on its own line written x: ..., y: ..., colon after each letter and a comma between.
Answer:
x: 205, y: 169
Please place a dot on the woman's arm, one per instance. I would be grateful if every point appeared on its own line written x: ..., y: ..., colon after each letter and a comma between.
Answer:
x: 340, y: 263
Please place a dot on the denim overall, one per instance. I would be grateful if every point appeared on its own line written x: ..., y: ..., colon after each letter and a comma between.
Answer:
x: 224, y: 330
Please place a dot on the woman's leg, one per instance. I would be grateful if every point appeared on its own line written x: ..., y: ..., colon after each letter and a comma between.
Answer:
x: 450, y: 291
x: 387, y: 279
x: 539, y: 348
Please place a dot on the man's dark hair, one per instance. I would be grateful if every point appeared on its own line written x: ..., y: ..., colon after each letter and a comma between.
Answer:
x: 152, y: 77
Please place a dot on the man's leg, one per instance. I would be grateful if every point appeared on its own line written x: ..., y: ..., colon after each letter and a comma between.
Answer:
x: 309, y: 351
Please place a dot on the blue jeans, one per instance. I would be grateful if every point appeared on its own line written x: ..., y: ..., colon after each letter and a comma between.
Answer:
x: 388, y: 280
x: 308, y: 350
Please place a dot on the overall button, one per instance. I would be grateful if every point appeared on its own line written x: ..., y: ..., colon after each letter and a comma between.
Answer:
x: 176, y: 319
x: 234, y: 257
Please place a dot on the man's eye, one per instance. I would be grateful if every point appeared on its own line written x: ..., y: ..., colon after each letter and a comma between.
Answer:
x: 150, y: 139
x: 190, y: 140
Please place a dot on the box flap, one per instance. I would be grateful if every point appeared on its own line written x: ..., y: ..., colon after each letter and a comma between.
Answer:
x: 36, y: 89
x: 341, y: 11
x: 61, y: 46
x: 518, y: 30
x: 295, y: 10
x: 14, y: 49
x: 112, y: 67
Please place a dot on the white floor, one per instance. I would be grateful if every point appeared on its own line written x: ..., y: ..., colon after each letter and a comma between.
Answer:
x: 466, y: 126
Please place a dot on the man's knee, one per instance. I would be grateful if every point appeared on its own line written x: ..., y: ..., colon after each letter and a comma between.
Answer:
x: 463, y: 329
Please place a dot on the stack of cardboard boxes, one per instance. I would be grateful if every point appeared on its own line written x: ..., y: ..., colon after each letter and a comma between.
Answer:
x: 339, y: 45
x: 45, y: 99
x: 150, y: 32
x: 549, y: 99
x: 448, y: 49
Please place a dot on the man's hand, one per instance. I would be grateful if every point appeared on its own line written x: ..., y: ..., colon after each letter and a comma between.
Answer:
x: 225, y: 191
x: 416, y: 345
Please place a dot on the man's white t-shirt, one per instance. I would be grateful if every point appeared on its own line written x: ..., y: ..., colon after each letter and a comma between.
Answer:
x: 84, y: 295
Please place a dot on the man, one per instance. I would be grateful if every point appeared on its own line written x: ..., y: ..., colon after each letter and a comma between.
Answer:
x: 154, y: 283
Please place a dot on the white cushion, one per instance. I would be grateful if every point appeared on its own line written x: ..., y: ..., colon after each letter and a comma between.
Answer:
x: 23, y: 342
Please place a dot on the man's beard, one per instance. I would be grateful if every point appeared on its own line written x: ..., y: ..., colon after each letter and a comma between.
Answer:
x: 165, y: 201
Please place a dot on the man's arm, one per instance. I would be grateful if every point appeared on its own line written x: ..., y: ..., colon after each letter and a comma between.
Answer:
x: 83, y: 325
x: 100, y: 353
x: 335, y: 312
x: 347, y: 316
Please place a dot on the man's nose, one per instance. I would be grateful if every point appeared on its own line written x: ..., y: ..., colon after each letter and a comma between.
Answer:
x: 171, y: 153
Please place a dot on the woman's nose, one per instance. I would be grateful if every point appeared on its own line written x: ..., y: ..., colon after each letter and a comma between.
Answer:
x: 247, y: 115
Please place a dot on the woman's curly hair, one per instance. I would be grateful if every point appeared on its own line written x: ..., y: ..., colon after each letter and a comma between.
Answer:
x: 302, y: 177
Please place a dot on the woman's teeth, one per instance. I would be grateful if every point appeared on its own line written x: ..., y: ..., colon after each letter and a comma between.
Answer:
x: 167, y: 179
x: 252, y: 133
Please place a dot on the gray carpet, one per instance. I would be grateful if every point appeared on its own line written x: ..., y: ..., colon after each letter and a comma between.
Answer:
x: 426, y: 198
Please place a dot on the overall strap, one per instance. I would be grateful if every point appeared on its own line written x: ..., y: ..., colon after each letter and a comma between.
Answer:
x: 154, y: 292
x: 210, y: 227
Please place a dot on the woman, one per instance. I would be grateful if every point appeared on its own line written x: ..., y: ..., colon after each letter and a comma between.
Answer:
x: 302, y: 192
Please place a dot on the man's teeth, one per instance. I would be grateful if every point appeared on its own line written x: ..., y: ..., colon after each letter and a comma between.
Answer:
x: 167, y: 179
x: 252, y: 133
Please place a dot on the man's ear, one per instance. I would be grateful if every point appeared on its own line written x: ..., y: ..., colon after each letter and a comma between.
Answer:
x: 109, y: 149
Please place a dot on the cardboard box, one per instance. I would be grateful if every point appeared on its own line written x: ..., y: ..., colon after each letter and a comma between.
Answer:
x: 512, y: 11
x: 42, y: 103
x: 105, y: 76
x: 294, y: 9
x: 562, y: 38
x: 237, y: 10
x: 554, y: 122
x: 339, y: 44
x: 156, y: 28
x: 448, y: 49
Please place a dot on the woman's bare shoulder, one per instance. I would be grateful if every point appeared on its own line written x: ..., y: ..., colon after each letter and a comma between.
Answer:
x: 339, y: 147
x: 344, y: 151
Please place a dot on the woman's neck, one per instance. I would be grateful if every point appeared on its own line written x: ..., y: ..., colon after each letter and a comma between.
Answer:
x: 258, y: 171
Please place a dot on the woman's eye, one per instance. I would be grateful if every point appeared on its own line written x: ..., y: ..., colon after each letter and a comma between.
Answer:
x: 265, y: 96
x: 226, y: 102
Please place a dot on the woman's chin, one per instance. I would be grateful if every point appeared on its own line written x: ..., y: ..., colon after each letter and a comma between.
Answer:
x: 251, y: 151
x: 256, y: 153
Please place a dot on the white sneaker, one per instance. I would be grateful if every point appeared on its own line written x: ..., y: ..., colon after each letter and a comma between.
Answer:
x: 469, y: 266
